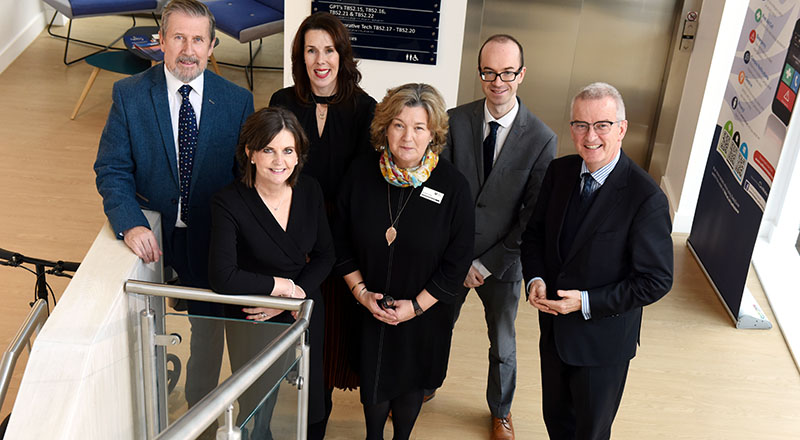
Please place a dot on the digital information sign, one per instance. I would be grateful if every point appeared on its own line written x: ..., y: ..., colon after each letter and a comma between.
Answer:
x: 382, y: 30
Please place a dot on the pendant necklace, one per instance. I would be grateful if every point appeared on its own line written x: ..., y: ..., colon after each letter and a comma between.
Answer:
x: 391, y: 232
x: 321, y: 113
x: 278, y: 206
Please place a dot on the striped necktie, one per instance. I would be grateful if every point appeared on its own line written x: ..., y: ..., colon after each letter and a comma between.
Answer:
x: 589, y: 187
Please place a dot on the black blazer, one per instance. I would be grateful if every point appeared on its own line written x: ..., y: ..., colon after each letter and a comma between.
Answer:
x: 249, y: 247
x: 621, y: 254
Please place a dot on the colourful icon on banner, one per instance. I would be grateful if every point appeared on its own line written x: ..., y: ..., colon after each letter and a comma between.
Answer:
x: 734, y: 103
x: 786, y: 96
x: 788, y: 74
x: 729, y: 127
x: 746, y: 56
x: 753, y: 36
x: 741, y: 77
x: 758, y: 15
x: 795, y: 82
x: 743, y: 149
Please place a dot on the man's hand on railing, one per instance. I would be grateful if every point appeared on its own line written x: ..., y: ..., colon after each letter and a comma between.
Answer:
x: 143, y: 243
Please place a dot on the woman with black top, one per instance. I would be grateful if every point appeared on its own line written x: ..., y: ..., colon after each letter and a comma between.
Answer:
x: 270, y: 236
x: 404, y: 236
x: 327, y: 100
x: 335, y: 114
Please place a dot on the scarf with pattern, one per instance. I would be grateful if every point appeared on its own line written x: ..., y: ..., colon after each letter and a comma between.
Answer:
x: 405, y: 177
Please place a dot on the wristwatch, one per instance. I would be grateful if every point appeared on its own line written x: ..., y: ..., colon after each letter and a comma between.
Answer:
x: 417, y: 309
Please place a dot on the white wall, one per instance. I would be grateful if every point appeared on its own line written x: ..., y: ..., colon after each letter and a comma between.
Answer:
x: 21, y: 21
x: 377, y: 76
x: 720, y: 25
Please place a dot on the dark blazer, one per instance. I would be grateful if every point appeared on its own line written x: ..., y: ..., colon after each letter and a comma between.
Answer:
x: 249, y: 247
x: 621, y: 254
x: 503, y: 203
x: 136, y: 162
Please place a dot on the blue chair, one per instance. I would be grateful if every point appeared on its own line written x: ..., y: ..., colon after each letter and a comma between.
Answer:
x: 91, y: 8
x: 247, y: 21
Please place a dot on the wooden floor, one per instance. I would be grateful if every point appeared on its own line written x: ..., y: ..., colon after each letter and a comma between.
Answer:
x: 695, y: 377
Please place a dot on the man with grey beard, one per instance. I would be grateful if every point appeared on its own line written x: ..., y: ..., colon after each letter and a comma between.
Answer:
x: 168, y: 146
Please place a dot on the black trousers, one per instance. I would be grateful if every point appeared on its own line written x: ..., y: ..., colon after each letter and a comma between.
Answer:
x: 579, y: 402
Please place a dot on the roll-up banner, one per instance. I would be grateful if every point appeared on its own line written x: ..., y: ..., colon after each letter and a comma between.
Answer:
x: 758, y: 103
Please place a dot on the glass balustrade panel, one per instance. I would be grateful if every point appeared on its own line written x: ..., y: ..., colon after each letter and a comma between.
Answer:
x: 210, y: 349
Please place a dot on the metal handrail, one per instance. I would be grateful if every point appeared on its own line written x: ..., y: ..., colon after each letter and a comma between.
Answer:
x: 33, y: 322
x: 201, y: 415
x: 196, y: 294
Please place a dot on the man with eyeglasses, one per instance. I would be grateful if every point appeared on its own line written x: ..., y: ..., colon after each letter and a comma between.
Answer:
x: 597, y: 249
x: 503, y: 150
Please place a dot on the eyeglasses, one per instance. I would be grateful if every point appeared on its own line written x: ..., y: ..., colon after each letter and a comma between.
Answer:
x: 600, y: 127
x: 507, y: 76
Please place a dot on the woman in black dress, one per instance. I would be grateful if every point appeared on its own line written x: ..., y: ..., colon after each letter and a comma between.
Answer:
x: 404, y: 237
x: 327, y: 100
x: 335, y: 114
x: 270, y: 236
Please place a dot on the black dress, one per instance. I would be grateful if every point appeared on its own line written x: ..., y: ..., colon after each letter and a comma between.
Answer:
x: 433, y: 250
x: 249, y: 247
x: 344, y: 137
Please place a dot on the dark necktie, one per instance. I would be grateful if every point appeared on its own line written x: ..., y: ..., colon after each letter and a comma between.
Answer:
x: 187, y: 144
x: 488, y: 149
x: 589, y: 187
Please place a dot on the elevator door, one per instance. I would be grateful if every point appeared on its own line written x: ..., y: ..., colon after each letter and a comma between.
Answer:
x: 571, y: 43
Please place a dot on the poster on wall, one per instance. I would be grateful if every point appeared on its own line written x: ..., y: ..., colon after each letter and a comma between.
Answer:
x: 759, y: 100
x: 389, y: 30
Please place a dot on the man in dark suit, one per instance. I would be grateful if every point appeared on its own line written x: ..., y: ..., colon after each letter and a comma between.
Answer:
x: 503, y: 150
x: 597, y: 249
x: 168, y: 146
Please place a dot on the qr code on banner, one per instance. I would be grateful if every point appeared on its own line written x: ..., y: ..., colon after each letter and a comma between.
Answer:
x: 730, y: 151
x: 725, y: 143
x: 738, y: 166
x: 733, y: 155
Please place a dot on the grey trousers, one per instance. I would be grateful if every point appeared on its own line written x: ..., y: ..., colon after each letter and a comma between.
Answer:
x: 500, y: 303
x: 245, y: 341
x: 205, y: 357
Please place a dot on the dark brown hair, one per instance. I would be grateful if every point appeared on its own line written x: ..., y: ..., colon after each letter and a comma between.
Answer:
x: 259, y: 130
x: 502, y: 38
x: 347, y: 78
x: 411, y: 95
x: 192, y: 8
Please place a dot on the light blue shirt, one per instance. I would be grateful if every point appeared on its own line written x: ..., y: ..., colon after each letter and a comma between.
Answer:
x: 600, y: 176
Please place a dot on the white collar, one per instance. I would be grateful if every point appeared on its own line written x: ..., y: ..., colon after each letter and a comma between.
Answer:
x: 506, y: 120
x: 173, y: 84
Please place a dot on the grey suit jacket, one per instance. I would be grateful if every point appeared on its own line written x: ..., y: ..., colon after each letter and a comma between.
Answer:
x: 504, y: 202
